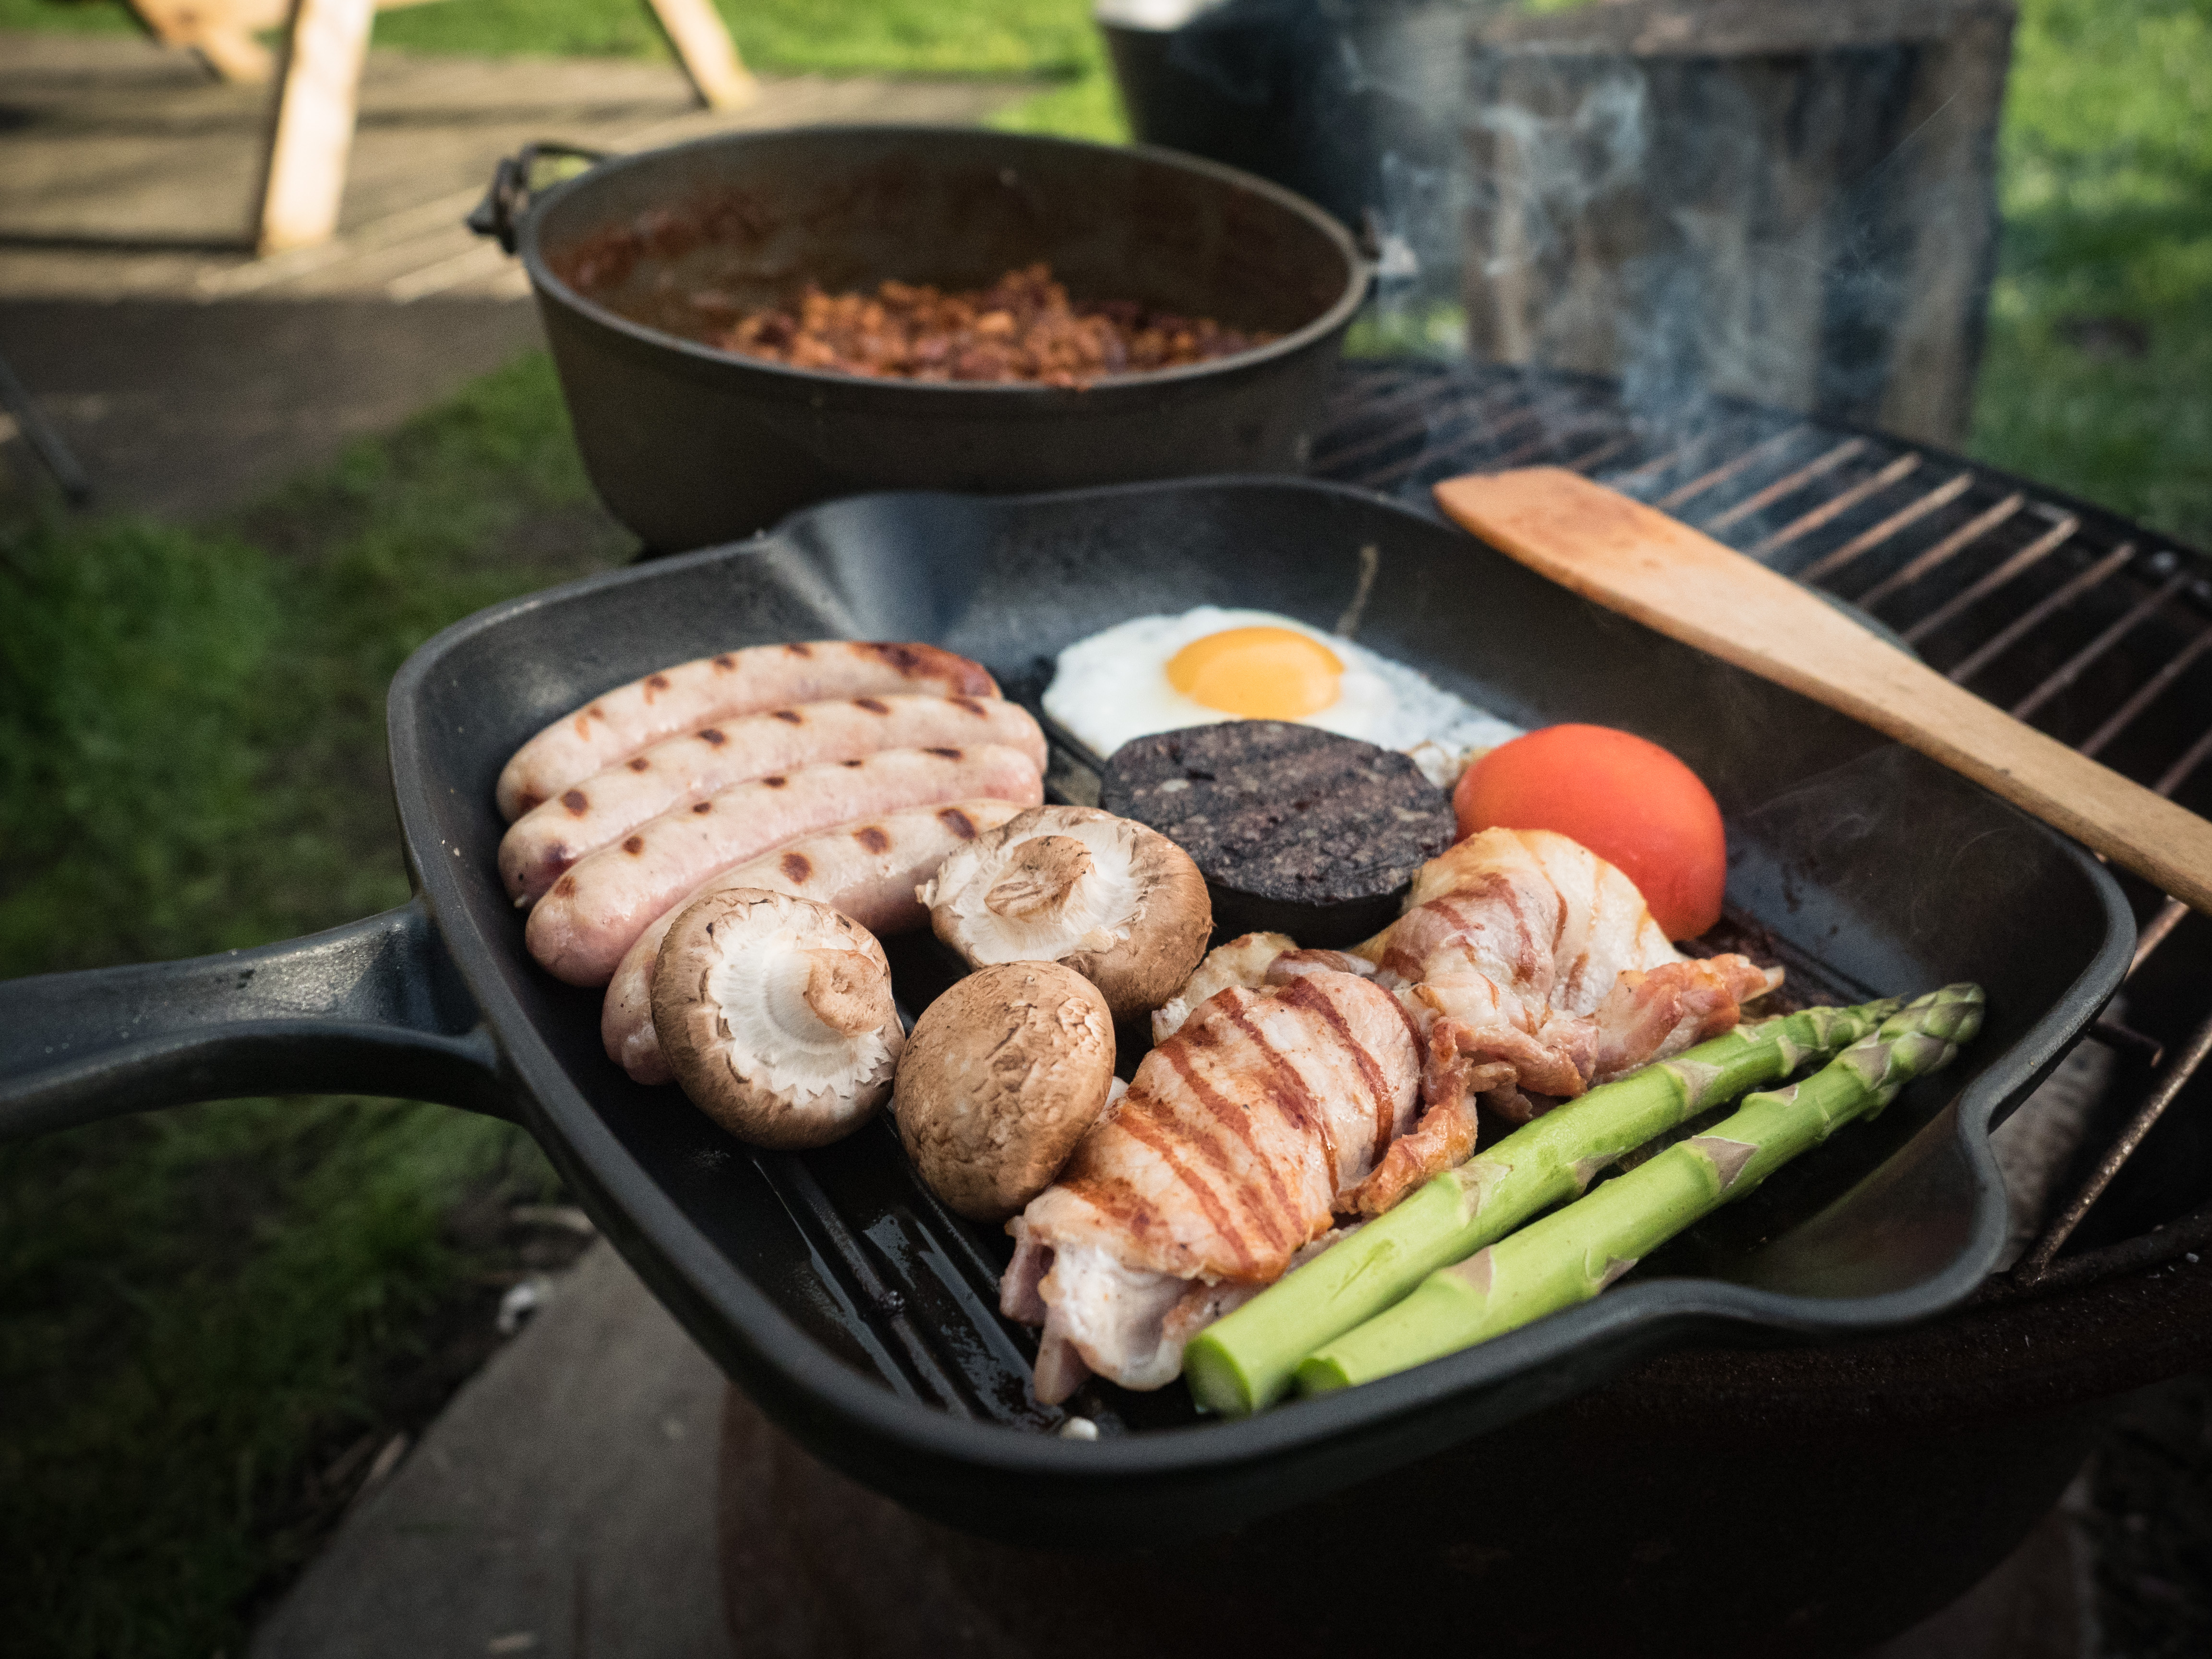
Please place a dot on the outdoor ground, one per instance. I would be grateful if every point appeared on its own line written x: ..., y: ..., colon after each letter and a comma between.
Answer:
x: 213, y: 1322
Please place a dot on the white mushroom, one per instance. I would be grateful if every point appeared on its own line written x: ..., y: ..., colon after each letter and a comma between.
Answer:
x: 1118, y: 903
x: 1003, y: 1074
x: 776, y: 1014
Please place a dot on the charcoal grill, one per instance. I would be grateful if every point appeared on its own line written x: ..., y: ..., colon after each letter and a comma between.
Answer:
x: 2089, y: 627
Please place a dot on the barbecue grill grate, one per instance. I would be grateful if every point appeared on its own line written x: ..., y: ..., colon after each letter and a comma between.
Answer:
x: 2084, y: 626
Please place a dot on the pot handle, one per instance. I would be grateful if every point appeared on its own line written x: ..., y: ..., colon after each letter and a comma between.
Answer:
x: 373, y: 1007
x: 513, y: 182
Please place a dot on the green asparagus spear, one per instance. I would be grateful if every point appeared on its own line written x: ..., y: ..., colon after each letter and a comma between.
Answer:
x: 1244, y: 1361
x: 1573, y: 1255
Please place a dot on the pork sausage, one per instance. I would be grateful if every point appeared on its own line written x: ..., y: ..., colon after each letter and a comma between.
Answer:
x: 867, y: 871
x: 594, y: 912
x: 616, y: 724
x: 607, y: 805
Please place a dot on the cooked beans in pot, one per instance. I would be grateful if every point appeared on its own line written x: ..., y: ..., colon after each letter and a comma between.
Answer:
x: 1023, y: 327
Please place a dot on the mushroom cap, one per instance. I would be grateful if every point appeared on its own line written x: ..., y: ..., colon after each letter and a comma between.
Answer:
x: 1001, y: 1075
x: 1121, y: 904
x: 777, y: 1015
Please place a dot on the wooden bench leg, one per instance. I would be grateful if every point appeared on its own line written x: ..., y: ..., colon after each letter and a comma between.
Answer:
x: 708, y: 55
x: 221, y: 31
x: 306, y: 167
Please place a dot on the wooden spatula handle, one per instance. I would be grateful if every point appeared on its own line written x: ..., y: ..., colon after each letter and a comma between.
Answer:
x: 1634, y: 559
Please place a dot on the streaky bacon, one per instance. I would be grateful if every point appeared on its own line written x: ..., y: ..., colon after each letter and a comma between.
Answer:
x: 1534, y: 968
x: 1238, y: 1139
x: 1289, y: 1087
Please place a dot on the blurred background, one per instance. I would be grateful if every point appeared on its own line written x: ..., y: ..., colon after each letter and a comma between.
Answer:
x: 219, y: 1325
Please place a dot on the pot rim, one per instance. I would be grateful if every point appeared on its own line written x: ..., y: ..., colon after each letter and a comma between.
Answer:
x: 814, y: 383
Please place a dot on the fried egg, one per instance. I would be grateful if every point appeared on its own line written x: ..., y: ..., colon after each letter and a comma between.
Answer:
x: 1163, y: 673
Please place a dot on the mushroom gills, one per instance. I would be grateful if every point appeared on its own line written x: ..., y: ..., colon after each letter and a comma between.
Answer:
x: 1056, y: 894
x: 801, y: 1020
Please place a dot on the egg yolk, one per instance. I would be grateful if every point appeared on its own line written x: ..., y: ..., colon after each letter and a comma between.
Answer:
x: 1259, y: 673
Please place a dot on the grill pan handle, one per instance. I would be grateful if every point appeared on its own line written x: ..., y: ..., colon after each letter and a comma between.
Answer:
x: 373, y: 1007
x: 506, y: 199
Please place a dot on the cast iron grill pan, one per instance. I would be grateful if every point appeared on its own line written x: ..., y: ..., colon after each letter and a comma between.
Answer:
x: 831, y: 1285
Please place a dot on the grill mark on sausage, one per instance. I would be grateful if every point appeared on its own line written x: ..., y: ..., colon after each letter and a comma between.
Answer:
x: 1148, y: 1135
x: 776, y: 782
x: 654, y: 683
x: 873, y: 705
x: 634, y: 846
x: 639, y: 763
x: 958, y: 823
x: 702, y: 807
x: 796, y: 868
x: 1290, y: 1087
x: 949, y: 754
x: 853, y: 763
x: 1239, y: 1123
x: 577, y: 802
x: 712, y: 737
x: 968, y: 704
x: 797, y: 650
x: 872, y: 838
x: 904, y: 658
x: 791, y: 716
x: 1305, y: 993
x: 528, y: 801
x: 565, y: 888
x: 725, y: 664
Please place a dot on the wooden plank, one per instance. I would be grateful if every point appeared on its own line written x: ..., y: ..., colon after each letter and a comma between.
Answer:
x: 306, y: 176
x: 709, y: 57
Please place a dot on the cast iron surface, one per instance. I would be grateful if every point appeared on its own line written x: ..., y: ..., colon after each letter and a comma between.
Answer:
x: 857, y: 1311
x: 690, y: 445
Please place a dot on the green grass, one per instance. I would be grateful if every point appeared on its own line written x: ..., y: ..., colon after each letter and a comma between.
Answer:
x: 1049, y: 39
x: 197, y: 1306
x: 2107, y: 201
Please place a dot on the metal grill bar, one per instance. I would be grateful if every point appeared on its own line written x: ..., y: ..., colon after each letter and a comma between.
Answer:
x: 2079, y: 663
x: 1488, y: 434
x: 2147, y: 694
x: 1721, y: 475
x: 2156, y: 931
x: 1658, y: 464
x: 1942, y: 496
x: 1605, y: 452
x: 2177, y: 774
x: 2029, y: 556
x: 1836, y: 506
x: 1964, y: 536
x: 1425, y: 421
x: 1536, y: 446
x: 2169, y: 1085
x: 2049, y: 606
x: 1789, y: 485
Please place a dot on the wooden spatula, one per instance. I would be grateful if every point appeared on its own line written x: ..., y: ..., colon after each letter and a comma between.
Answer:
x: 1634, y: 559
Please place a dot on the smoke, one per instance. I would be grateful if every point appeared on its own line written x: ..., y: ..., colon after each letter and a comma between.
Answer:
x: 1758, y: 206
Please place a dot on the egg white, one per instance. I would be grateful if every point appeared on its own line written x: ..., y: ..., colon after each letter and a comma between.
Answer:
x: 1114, y: 686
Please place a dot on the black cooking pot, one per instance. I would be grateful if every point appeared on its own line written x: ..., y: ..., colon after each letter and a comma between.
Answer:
x: 688, y: 444
x: 861, y: 1314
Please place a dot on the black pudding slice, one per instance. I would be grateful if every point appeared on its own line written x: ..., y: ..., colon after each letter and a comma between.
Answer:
x: 1297, y: 831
